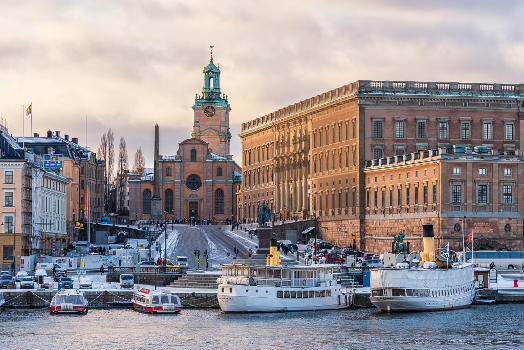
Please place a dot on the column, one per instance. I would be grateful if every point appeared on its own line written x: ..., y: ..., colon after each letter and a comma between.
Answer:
x: 277, y: 189
x: 304, y: 192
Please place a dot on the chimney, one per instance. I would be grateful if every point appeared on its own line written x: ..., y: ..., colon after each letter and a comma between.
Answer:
x: 75, y: 140
x: 36, y: 134
x: 49, y: 133
x: 57, y: 133
x: 66, y: 137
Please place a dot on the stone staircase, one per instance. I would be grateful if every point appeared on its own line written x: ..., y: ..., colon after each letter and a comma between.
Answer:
x: 197, y: 281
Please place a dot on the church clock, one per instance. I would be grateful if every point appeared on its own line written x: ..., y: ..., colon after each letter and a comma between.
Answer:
x: 209, y: 111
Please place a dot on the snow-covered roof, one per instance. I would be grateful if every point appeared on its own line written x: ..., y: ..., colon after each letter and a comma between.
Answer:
x: 216, y: 156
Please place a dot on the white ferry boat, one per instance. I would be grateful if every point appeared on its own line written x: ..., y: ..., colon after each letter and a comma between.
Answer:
x: 245, y: 287
x: 154, y: 302
x: 510, y: 284
x: 2, y: 302
x: 69, y: 301
x: 423, y: 288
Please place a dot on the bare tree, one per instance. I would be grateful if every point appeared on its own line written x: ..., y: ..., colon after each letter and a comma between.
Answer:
x: 110, y: 160
x: 102, y: 155
x: 140, y: 161
x: 123, y: 169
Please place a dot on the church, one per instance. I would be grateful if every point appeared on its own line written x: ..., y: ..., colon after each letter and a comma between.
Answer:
x: 201, y: 180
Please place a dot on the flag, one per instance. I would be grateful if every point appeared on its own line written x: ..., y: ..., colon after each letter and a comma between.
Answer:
x: 29, y: 110
x: 470, y: 237
x: 445, y: 251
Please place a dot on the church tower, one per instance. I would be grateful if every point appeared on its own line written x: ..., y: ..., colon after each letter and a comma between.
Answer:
x: 211, y: 112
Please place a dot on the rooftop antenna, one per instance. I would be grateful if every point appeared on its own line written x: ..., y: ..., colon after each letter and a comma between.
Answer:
x: 211, y: 47
x: 86, y: 131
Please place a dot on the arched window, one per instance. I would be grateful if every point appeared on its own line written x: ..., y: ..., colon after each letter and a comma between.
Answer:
x: 219, y: 202
x: 168, y: 171
x: 168, y: 201
x: 146, y: 202
x: 219, y: 171
x: 193, y: 155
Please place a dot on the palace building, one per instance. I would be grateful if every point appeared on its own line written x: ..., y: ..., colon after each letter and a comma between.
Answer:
x: 201, y: 180
x: 318, y: 158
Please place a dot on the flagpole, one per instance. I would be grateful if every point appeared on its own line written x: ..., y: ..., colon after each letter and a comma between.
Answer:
x: 31, y: 134
x: 473, y: 248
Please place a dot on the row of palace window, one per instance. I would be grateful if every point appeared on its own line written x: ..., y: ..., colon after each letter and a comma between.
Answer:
x: 329, y: 135
x: 443, y: 130
x: 168, y: 201
x: 407, y: 175
x: 482, y: 191
x: 332, y: 162
x: 482, y: 171
x: 391, y: 203
x: 169, y: 171
x: 257, y: 177
x: 259, y: 155
x: 343, y: 200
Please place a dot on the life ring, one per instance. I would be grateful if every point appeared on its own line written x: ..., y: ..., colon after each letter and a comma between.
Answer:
x: 304, y: 282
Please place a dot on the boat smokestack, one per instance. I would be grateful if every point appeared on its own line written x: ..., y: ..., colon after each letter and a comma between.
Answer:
x: 428, y: 239
x: 273, y: 259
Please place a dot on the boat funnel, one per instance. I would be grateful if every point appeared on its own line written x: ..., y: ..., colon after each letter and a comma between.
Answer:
x: 428, y: 239
x: 273, y: 258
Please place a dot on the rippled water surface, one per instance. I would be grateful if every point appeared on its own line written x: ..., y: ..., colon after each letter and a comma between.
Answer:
x: 479, y: 327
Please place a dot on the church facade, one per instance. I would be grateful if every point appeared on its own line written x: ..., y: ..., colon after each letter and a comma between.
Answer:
x: 200, y: 181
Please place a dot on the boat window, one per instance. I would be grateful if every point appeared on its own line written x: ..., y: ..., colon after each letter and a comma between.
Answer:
x: 317, y: 293
x: 293, y: 294
x: 231, y: 290
x: 398, y: 292
x: 286, y: 294
x: 222, y: 290
x: 165, y: 299
x: 377, y: 292
x: 311, y: 294
x: 322, y: 293
x: 279, y: 294
x: 305, y: 294
x: 328, y: 292
x: 299, y: 294
x: 155, y: 299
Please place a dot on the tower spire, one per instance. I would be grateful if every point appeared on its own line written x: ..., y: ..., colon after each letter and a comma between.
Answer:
x: 211, y: 47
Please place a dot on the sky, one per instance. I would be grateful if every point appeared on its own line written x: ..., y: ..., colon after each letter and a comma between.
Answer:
x: 126, y: 65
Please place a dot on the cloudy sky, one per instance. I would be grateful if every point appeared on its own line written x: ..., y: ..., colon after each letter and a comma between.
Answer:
x: 128, y: 64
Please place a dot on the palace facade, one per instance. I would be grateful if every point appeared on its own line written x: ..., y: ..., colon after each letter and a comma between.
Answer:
x: 201, y: 180
x: 309, y: 159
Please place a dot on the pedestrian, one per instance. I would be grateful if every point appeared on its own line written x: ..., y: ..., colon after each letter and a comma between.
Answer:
x: 250, y: 252
x: 102, y: 269
x: 54, y: 269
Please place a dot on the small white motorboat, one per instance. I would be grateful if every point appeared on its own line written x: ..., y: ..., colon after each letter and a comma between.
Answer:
x: 69, y: 301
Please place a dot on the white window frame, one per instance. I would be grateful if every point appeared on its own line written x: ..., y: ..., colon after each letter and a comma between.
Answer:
x: 400, y: 129
x: 457, y: 171
x: 4, y: 222
x: 4, y: 199
x: 443, y: 130
x: 508, y: 172
x: 483, y: 171
x: 422, y: 130
x: 465, y: 134
x: 12, y: 177
x: 509, y: 135
x: 487, y: 130
x: 487, y: 193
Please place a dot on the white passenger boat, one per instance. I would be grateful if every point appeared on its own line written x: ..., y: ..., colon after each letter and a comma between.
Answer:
x: 423, y: 288
x: 510, y: 284
x: 69, y: 301
x: 245, y: 287
x: 154, y: 302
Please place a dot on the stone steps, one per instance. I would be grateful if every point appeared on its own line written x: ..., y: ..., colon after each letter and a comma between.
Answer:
x: 201, y: 281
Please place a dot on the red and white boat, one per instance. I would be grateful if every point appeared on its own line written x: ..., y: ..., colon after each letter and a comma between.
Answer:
x: 69, y: 301
x: 153, y: 302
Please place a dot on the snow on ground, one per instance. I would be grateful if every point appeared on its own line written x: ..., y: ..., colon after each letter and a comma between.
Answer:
x: 215, y: 254
x: 246, y: 242
x: 172, y: 242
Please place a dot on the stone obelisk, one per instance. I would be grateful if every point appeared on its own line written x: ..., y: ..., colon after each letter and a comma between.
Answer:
x: 156, y: 205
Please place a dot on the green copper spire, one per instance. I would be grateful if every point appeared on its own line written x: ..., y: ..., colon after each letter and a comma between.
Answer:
x: 211, y: 90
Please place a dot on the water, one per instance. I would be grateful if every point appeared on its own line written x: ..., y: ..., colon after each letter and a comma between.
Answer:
x: 479, y: 327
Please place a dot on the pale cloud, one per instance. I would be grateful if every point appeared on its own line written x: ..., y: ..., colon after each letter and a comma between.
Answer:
x: 128, y: 64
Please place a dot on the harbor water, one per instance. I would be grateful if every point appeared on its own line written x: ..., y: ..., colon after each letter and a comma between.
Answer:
x: 478, y: 327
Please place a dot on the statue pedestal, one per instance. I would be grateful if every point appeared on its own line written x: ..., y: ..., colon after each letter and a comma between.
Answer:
x: 156, y: 208
x: 264, y: 238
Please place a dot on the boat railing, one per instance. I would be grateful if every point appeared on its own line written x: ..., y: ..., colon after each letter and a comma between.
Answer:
x: 295, y: 283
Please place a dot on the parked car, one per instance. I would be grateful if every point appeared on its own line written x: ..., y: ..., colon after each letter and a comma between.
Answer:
x: 373, y: 263
x: 127, y: 280
x: 7, y: 273
x: 169, y: 263
x: 65, y: 283
x: 27, y: 283
x: 85, y: 283
x: 334, y: 258
x: 6, y: 281
x: 182, y: 261
x: 39, y: 275
x: 146, y: 263
x: 47, y: 282
x: 59, y: 275
x: 20, y: 275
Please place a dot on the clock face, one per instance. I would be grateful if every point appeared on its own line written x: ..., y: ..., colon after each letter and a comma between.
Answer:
x: 209, y: 111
